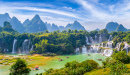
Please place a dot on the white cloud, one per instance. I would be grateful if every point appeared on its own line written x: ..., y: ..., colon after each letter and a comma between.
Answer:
x: 90, y: 14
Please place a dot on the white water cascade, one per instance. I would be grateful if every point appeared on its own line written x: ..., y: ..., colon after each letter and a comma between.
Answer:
x: 110, y: 38
x: 95, y: 38
x: 126, y: 47
x: 84, y: 49
x: 100, y: 39
x: 109, y: 44
x: 77, y: 50
x: 87, y: 42
x: 26, y: 44
x: 32, y: 48
x: 94, y: 49
x: 101, y: 45
x: 14, y: 46
x: 118, y: 46
x: 91, y: 39
x: 107, y: 52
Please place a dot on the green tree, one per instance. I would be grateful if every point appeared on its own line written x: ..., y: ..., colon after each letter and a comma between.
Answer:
x: 19, y: 68
x: 41, y: 47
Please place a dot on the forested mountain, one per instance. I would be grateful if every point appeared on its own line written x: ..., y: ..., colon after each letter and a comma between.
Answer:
x: 111, y: 26
x: 121, y: 28
x: 25, y: 23
x: 97, y: 29
x: 36, y: 25
x: 75, y: 25
x: 17, y: 25
x: 7, y: 28
x: 114, y: 26
x: 3, y: 18
x: 61, y: 28
x: 54, y: 28
x: 48, y: 25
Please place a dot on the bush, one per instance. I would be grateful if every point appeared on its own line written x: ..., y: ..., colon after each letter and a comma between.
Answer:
x: 74, y: 68
x: 116, y: 66
x: 121, y: 56
x: 48, y: 54
x: 19, y: 68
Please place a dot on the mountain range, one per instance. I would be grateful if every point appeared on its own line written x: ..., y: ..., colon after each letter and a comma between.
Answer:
x: 37, y: 25
x: 114, y: 26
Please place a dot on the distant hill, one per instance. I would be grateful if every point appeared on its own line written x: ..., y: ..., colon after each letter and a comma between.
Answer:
x: 121, y: 28
x: 97, y: 29
x: 25, y: 23
x: 75, y: 25
x: 114, y: 26
x: 61, y: 28
x: 3, y: 18
x: 17, y: 25
x: 48, y: 25
x: 7, y: 27
x: 36, y: 25
x: 111, y: 26
x: 54, y: 28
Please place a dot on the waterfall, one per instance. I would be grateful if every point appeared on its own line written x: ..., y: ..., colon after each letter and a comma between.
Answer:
x: 100, y: 39
x: 118, y: 46
x: 95, y: 38
x: 87, y: 42
x: 84, y: 49
x: 77, y: 50
x: 94, y: 49
x: 26, y: 45
x: 91, y: 39
x: 107, y: 52
x: 14, y: 46
x: 109, y: 44
x: 110, y: 38
x: 102, y: 45
x: 126, y: 47
x: 32, y: 48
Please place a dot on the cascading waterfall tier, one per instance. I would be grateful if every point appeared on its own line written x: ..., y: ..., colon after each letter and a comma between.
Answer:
x: 77, y: 50
x: 110, y: 38
x: 126, y: 47
x: 32, y: 48
x: 84, y: 49
x: 87, y: 42
x: 118, y: 46
x: 109, y: 44
x: 100, y: 39
x: 96, y: 39
x: 91, y: 39
x: 107, y: 52
x: 26, y: 45
x: 14, y: 46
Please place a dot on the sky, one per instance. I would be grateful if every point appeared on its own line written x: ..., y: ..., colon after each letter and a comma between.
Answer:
x: 91, y: 14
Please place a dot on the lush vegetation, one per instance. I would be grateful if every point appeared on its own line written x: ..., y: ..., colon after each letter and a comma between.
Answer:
x: 115, y: 65
x: 19, y: 68
x: 57, y: 42
x: 74, y: 68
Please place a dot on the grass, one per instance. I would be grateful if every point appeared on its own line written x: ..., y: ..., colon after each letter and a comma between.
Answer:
x: 105, y: 71
x: 32, y: 60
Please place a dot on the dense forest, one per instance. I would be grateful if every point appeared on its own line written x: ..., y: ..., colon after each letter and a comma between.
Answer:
x: 54, y: 42
x: 64, y: 42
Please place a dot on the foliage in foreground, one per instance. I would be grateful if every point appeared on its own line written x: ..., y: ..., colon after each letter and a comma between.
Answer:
x: 74, y: 68
x: 121, y: 56
x: 19, y: 68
